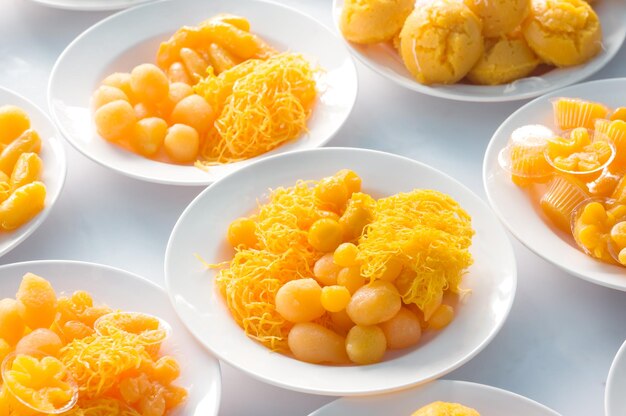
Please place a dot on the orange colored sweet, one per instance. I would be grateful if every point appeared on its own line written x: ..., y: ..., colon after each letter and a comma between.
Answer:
x: 11, y: 323
x: 570, y: 113
x: 148, y: 136
x: 121, y: 80
x: 619, y: 114
x: 40, y: 340
x: 116, y: 120
x: 578, y: 154
x: 37, y: 301
x: 40, y: 383
x: 13, y: 122
x: 564, y: 194
x: 592, y: 229
x: 27, y: 169
x: 193, y: 111
x: 28, y: 141
x: 22, y: 205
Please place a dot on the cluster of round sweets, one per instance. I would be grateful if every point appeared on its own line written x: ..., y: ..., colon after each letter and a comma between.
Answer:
x: 155, y: 118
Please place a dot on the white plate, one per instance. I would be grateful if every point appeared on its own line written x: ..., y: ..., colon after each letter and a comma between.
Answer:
x: 200, y: 372
x: 515, y: 208
x: 487, y: 400
x: 132, y: 37
x: 384, y: 59
x: 90, y: 5
x: 614, y: 399
x: 202, y: 227
x: 54, y: 166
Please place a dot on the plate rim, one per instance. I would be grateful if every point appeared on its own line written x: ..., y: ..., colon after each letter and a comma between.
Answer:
x: 183, y: 182
x: 494, y: 207
x: 435, y: 92
x: 144, y: 280
x: 56, y: 143
x: 470, y: 384
x: 78, y: 7
x: 620, y: 356
x: 467, y: 356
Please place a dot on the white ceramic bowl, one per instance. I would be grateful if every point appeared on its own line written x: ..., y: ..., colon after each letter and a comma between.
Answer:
x: 90, y: 5
x: 54, y: 166
x: 200, y: 372
x: 384, y: 59
x: 202, y: 228
x: 614, y: 399
x: 515, y: 208
x: 129, y: 38
x: 487, y: 400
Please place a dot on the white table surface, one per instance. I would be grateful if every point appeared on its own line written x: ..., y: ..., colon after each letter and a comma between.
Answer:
x: 561, y: 335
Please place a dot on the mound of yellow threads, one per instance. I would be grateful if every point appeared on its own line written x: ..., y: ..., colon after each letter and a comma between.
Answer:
x: 265, y: 104
x: 328, y: 274
x: 67, y: 354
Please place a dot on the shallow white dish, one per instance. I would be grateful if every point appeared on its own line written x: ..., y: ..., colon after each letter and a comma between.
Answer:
x: 132, y: 37
x: 516, y: 209
x: 384, y: 59
x: 91, y: 5
x: 614, y: 400
x: 200, y: 372
x: 487, y: 400
x: 202, y: 228
x: 54, y: 166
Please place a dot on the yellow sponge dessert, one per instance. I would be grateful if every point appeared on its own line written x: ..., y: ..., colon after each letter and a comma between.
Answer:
x: 445, y: 409
x: 499, y: 16
x: 563, y: 32
x: 441, y: 41
x: 372, y: 21
x: 505, y: 59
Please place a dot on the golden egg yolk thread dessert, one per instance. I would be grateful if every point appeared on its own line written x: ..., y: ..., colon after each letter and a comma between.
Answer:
x: 429, y: 233
x: 265, y: 104
x: 251, y: 279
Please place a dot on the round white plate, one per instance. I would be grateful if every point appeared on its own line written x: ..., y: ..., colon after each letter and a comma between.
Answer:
x: 200, y: 372
x: 54, y: 166
x: 614, y: 399
x: 90, y: 5
x: 516, y: 209
x: 133, y: 36
x: 202, y: 228
x: 384, y: 59
x: 487, y: 400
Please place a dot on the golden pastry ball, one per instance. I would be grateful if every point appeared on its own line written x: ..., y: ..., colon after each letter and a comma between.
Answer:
x: 445, y: 409
x: 372, y: 21
x: 499, y: 16
x: 563, y: 32
x: 504, y: 60
x: 441, y: 41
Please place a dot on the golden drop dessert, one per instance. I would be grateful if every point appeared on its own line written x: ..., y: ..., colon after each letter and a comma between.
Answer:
x: 505, y: 60
x: 372, y: 21
x: 441, y: 41
x: 563, y: 32
x: 499, y: 16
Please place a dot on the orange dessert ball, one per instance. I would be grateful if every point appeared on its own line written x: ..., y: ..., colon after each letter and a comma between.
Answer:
x: 149, y: 83
x: 106, y: 94
x: 149, y: 136
x: 193, y: 111
x: 115, y: 120
x: 182, y: 143
x: 120, y: 80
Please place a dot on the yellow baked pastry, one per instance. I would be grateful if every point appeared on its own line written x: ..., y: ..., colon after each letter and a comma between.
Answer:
x: 441, y: 41
x: 563, y: 32
x: 505, y: 59
x: 445, y: 409
x: 499, y: 16
x: 372, y: 21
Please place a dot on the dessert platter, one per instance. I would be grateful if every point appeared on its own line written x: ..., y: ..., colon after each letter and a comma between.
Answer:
x: 273, y: 270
